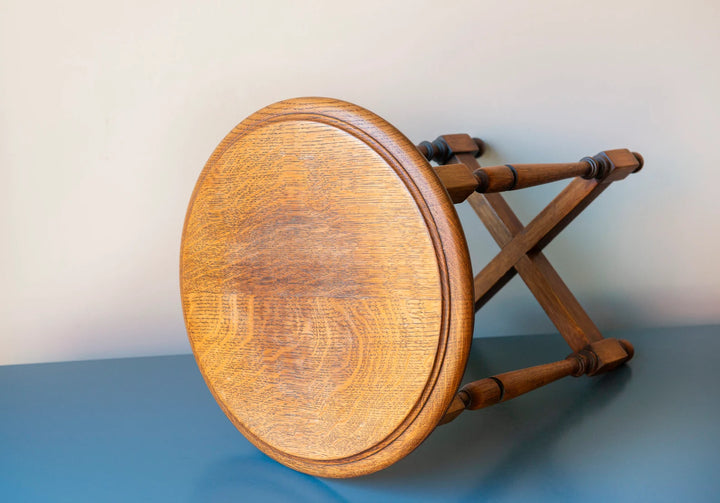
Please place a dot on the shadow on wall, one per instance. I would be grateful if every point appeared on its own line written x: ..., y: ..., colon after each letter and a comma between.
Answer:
x: 515, y: 312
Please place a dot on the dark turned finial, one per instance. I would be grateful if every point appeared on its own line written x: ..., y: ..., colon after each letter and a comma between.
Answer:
x: 444, y: 147
x: 437, y: 150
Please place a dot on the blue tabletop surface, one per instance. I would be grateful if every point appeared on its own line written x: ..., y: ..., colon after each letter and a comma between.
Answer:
x: 147, y: 429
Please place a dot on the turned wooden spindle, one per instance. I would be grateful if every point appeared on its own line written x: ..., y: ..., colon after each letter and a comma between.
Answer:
x: 460, y: 181
x: 596, y: 358
x: 521, y: 176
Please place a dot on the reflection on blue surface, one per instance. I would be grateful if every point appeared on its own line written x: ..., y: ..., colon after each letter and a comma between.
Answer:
x: 259, y: 478
x: 147, y: 429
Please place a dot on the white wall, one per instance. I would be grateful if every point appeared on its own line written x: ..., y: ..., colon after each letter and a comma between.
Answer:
x: 108, y: 111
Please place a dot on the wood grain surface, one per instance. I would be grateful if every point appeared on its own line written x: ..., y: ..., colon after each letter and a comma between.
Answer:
x: 326, y: 287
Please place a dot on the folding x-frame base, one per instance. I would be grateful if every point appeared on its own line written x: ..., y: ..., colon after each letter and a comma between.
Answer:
x: 521, y: 253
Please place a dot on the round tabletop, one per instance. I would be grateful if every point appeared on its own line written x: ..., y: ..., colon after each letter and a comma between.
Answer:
x: 326, y: 287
